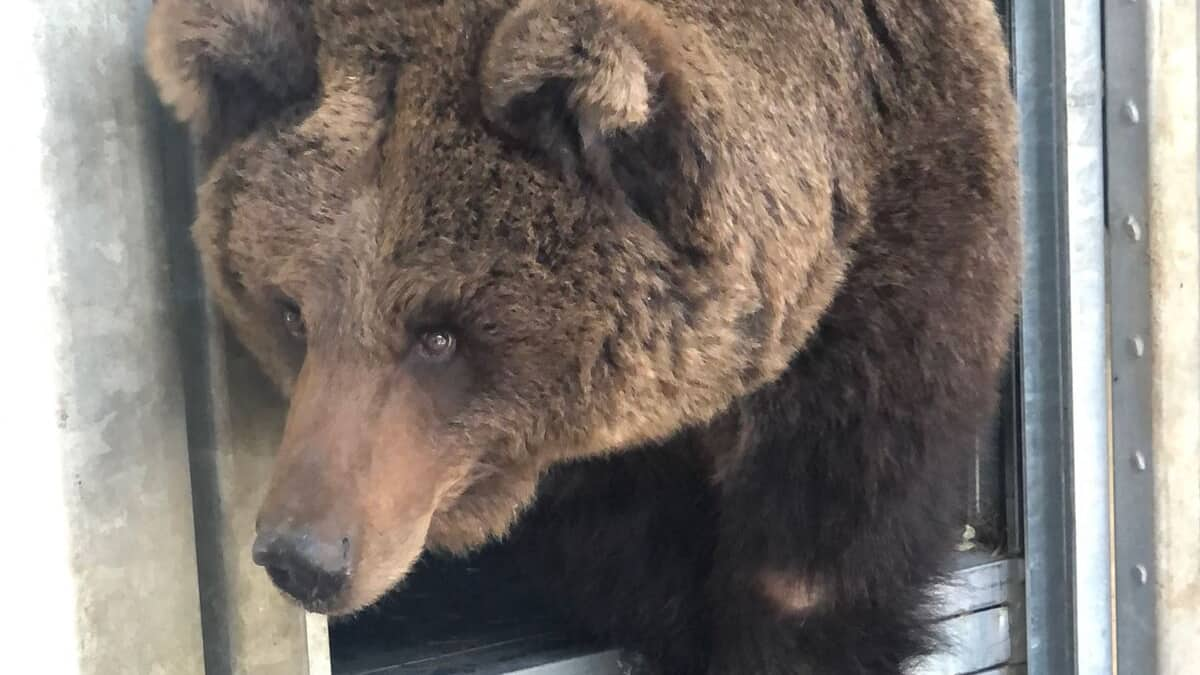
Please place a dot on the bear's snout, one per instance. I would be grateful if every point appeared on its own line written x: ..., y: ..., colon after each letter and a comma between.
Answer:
x: 355, y: 484
x: 311, y: 568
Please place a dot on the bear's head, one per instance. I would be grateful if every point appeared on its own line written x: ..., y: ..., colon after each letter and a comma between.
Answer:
x: 469, y: 239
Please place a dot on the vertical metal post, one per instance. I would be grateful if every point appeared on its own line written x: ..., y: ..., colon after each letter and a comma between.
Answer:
x: 97, y: 506
x: 1154, y: 185
x: 1127, y: 94
x: 1064, y: 343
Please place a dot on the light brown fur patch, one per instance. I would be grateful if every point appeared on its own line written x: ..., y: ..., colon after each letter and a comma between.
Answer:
x: 791, y: 594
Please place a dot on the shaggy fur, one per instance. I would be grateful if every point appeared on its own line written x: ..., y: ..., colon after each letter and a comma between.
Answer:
x: 752, y: 264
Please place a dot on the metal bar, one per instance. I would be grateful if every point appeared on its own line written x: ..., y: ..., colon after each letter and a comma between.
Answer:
x: 1036, y: 48
x: 604, y: 663
x: 980, y: 587
x: 976, y: 609
x: 1059, y: 80
x: 1089, y: 477
x: 101, y: 525
x: 1127, y: 89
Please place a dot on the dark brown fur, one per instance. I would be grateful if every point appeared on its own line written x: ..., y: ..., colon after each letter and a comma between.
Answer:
x: 772, y: 246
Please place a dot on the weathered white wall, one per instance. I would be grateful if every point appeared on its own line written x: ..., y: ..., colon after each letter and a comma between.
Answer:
x: 136, y: 443
x: 99, y: 564
x: 1174, y: 244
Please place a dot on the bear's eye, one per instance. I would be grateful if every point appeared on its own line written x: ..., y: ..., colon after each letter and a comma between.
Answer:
x: 437, y: 345
x: 293, y: 320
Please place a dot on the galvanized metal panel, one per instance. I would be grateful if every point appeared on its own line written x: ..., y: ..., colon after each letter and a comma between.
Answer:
x: 979, y: 587
x: 605, y: 663
x: 1127, y: 89
x: 976, y: 607
x: 1154, y: 187
x: 1151, y: 52
x: 1011, y: 669
x: 1064, y: 343
x: 978, y: 641
x: 1043, y: 338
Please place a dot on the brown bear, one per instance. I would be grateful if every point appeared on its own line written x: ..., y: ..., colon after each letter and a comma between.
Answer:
x: 715, y: 293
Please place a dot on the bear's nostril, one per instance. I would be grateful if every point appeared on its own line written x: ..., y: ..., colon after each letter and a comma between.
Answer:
x: 280, y: 576
x: 310, y: 569
x: 261, y: 552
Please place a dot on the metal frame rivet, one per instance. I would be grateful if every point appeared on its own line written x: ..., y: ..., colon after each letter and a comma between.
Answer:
x: 1139, y: 460
x: 1133, y: 228
x: 1132, y: 114
x: 1141, y: 574
x: 1138, y: 346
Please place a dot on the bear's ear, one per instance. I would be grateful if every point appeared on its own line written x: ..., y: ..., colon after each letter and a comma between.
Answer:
x: 225, y: 65
x: 607, y: 85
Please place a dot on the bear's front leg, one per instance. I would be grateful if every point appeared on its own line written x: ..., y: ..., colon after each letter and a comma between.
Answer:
x: 800, y: 631
x: 624, y: 545
x: 833, y: 527
x: 792, y: 621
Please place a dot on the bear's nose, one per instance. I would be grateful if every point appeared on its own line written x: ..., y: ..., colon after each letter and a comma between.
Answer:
x: 311, y: 569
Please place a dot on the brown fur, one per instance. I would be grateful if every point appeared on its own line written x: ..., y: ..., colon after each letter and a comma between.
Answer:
x: 790, y: 223
x: 790, y: 594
